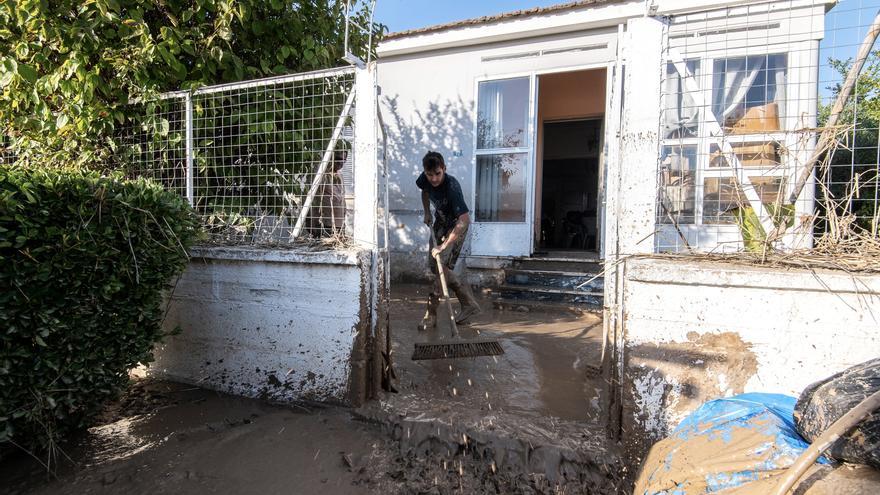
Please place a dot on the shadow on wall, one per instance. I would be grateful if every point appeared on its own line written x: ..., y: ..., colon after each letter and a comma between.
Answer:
x: 446, y: 127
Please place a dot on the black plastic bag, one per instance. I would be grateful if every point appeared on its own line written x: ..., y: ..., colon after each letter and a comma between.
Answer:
x: 824, y: 402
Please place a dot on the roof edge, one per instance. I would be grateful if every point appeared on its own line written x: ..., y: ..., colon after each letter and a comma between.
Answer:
x: 498, y: 17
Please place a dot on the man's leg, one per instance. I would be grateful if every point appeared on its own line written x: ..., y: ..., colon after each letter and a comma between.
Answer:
x: 462, y: 290
x: 429, y: 320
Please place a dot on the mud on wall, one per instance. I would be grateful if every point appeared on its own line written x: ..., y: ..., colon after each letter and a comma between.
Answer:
x: 278, y: 325
x: 695, y: 331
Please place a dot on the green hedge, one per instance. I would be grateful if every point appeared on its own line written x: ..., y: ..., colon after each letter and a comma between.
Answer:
x: 85, y: 261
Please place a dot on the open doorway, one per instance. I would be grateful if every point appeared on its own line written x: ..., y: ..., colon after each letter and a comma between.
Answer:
x: 569, y: 199
x: 571, y: 109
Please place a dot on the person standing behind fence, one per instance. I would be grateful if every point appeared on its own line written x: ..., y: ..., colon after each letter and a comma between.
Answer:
x: 330, y: 201
x: 450, y: 225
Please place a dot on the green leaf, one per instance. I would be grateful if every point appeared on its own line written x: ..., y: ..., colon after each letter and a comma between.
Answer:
x: 27, y: 73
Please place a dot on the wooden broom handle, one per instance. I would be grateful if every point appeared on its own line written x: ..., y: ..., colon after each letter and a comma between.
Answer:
x: 443, y: 286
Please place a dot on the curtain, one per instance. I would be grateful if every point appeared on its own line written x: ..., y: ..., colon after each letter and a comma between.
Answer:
x: 489, y: 135
x: 490, y: 131
x: 736, y: 78
x: 680, y: 116
x: 488, y: 187
x: 777, y: 66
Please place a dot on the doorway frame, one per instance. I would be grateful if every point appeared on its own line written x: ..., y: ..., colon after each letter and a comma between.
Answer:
x: 609, y: 68
x: 600, y: 186
x: 531, y: 166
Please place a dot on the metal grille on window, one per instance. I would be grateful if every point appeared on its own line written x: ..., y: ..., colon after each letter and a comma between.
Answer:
x: 739, y: 124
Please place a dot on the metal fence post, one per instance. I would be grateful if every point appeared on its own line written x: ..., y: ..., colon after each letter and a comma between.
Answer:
x: 366, y: 158
x: 189, y: 150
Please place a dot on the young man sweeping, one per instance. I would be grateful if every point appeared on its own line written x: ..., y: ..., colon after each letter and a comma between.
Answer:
x: 450, y: 225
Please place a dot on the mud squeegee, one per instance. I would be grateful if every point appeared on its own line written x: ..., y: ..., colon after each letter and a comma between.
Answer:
x: 456, y: 347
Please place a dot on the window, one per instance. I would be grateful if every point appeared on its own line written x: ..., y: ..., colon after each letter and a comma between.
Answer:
x: 721, y: 128
x: 680, y: 111
x: 678, y: 178
x: 502, y: 150
x: 748, y: 93
x: 501, y: 194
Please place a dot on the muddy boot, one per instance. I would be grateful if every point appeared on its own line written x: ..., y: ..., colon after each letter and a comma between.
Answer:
x: 429, y: 321
x: 469, y: 305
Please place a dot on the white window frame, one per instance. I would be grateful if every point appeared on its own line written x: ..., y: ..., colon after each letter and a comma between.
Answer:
x: 526, y: 148
x: 704, y: 141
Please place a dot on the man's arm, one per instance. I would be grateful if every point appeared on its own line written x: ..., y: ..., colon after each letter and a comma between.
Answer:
x: 459, y: 231
x: 427, y: 206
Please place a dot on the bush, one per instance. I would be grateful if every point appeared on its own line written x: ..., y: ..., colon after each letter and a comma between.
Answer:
x: 85, y: 261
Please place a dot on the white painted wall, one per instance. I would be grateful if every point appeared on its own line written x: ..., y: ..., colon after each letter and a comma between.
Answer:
x: 699, y: 330
x: 428, y: 91
x: 570, y: 20
x: 632, y: 180
x: 428, y: 103
x: 280, y: 325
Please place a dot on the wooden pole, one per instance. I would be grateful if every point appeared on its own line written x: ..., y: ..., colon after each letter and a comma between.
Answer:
x: 837, y: 429
x: 826, y: 139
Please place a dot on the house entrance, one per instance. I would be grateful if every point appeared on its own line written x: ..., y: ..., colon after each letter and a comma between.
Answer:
x: 571, y: 109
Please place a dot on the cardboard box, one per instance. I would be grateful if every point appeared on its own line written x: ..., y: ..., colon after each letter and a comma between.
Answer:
x: 749, y: 155
x: 763, y: 118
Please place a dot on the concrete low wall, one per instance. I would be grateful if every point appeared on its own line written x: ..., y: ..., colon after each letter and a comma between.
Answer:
x: 280, y: 325
x: 695, y: 331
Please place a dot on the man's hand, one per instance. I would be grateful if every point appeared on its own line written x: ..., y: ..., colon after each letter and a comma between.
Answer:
x: 428, y: 219
x: 437, y: 251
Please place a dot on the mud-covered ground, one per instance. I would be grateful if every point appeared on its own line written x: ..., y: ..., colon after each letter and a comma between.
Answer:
x: 164, y: 438
x: 549, y: 368
x: 535, y: 409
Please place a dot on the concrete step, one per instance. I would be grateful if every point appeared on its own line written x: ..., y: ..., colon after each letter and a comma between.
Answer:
x: 548, y: 294
x: 558, y: 279
x: 552, y: 307
x: 560, y: 264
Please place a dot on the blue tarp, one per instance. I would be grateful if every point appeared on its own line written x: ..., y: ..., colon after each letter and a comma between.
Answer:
x: 723, y: 422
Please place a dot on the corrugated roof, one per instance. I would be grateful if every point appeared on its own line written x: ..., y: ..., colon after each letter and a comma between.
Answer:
x: 498, y: 17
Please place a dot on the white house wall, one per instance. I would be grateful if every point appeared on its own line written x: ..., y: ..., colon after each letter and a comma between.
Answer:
x: 696, y: 331
x: 279, y: 325
x: 428, y: 103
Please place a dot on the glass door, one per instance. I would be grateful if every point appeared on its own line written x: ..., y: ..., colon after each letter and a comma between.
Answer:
x: 503, y: 173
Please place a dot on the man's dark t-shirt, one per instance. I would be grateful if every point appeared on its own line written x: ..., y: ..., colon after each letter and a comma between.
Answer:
x: 447, y: 199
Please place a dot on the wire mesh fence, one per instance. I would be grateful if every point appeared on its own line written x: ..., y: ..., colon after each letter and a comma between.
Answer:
x: 7, y: 155
x: 751, y: 158
x: 262, y: 162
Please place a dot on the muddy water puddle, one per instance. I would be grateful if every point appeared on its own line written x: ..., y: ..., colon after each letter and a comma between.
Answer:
x: 177, y: 439
x: 544, y: 371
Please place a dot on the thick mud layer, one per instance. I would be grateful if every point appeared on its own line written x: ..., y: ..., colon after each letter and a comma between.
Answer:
x: 170, y: 438
x: 523, y: 423
x: 532, y: 415
x: 522, y: 455
x: 167, y: 438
